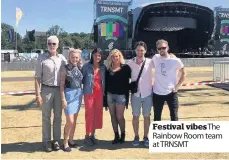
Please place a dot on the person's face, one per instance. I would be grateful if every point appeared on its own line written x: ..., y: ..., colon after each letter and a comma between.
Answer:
x: 52, y: 45
x: 140, y: 51
x: 74, y: 58
x: 162, y: 49
x: 97, y: 57
x: 115, y: 58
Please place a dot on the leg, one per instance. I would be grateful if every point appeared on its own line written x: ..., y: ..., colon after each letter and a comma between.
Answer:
x: 114, y: 120
x: 89, y: 113
x: 67, y: 129
x: 121, y: 120
x: 78, y: 105
x: 172, y: 100
x: 72, y: 132
x: 47, y: 96
x: 98, y: 108
x: 120, y: 108
x: 57, y: 115
x: 136, y: 108
x: 146, y: 107
x: 89, y: 118
x: 158, y: 103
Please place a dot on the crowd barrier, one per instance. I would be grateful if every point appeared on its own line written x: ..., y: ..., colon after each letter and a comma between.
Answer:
x: 188, y: 62
x: 221, y: 71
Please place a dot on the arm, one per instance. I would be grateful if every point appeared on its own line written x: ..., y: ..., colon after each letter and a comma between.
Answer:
x: 105, y: 93
x: 38, y: 75
x: 62, y: 87
x: 181, y: 80
x: 128, y: 92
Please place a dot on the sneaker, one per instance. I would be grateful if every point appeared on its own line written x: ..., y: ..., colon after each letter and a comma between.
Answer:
x: 136, y: 141
x: 94, y: 141
x: 48, y: 146
x: 87, y: 141
x: 146, y: 141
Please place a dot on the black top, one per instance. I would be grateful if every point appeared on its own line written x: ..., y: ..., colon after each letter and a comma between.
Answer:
x: 118, y: 82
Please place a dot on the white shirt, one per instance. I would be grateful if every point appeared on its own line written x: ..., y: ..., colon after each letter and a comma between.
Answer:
x: 145, y: 81
x: 166, y: 73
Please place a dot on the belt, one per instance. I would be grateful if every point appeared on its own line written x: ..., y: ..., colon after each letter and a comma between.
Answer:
x: 50, y: 86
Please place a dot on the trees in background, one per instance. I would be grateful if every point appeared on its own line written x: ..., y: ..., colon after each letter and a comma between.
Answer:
x: 25, y: 44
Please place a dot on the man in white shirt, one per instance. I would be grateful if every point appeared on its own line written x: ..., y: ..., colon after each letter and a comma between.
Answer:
x: 143, y: 97
x: 166, y: 84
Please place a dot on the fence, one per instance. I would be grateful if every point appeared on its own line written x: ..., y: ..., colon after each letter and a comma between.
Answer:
x: 221, y: 71
x: 18, y: 66
x: 188, y: 62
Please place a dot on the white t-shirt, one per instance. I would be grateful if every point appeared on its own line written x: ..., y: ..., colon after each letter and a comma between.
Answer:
x: 145, y: 81
x: 166, y: 73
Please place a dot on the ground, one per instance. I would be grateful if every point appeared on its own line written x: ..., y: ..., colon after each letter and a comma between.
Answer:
x: 21, y: 123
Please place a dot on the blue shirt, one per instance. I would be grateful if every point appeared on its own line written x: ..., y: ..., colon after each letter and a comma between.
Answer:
x: 88, y: 77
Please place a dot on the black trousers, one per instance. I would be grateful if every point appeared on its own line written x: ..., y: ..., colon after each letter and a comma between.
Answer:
x: 158, y: 103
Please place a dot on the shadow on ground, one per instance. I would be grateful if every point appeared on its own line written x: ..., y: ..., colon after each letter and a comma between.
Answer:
x: 30, y: 147
x: 22, y: 147
x: 30, y: 105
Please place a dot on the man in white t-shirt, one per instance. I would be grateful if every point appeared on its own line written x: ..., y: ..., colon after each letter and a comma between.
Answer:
x: 166, y: 83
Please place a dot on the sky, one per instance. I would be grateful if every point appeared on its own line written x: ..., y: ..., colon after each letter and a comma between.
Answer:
x: 71, y: 15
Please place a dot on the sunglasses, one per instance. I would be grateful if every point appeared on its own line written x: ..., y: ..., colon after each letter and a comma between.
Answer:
x: 161, y: 48
x: 51, y: 44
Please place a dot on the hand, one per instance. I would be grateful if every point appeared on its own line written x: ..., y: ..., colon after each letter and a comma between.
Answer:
x: 39, y: 100
x: 64, y: 103
x: 106, y: 108
x: 175, y: 90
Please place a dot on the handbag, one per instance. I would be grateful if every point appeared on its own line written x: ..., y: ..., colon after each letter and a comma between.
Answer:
x: 134, y: 84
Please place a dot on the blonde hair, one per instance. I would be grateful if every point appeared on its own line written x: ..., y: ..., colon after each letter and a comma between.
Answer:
x: 71, y: 51
x: 161, y: 41
x: 109, y: 58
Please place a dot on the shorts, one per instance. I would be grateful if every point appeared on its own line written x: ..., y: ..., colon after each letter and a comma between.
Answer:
x: 146, y: 103
x: 115, y: 99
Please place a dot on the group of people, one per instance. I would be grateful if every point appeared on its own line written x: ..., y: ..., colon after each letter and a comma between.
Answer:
x: 62, y: 84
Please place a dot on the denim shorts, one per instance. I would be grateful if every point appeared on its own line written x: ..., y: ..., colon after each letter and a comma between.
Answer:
x: 145, y: 103
x: 115, y: 99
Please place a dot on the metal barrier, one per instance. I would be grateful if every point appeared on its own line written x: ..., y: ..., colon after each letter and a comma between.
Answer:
x: 18, y: 66
x: 221, y: 71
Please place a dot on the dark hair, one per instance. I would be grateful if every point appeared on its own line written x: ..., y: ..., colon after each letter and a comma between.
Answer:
x: 140, y: 43
x: 96, y: 50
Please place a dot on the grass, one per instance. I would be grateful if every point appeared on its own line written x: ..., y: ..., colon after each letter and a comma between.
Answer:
x: 199, y: 69
x: 21, y: 126
x: 17, y: 74
x: 17, y: 86
x: 31, y: 73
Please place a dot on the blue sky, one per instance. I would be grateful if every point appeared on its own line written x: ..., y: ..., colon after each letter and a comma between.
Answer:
x: 71, y: 15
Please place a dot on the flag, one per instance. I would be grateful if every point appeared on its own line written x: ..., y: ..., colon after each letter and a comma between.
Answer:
x: 19, y: 15
x: 11, y: 35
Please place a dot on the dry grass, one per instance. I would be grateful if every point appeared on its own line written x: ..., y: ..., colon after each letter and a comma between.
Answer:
x: 18, y: 74
x: 21, y: 127
x: 199, y: 69
x: 17, y: 86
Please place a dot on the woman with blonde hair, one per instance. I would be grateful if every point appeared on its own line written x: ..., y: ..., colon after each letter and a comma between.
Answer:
x: 117, y: 92
x: 71, y: 95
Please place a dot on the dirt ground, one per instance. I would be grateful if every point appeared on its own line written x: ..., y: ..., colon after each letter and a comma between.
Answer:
x: 21, y: 126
